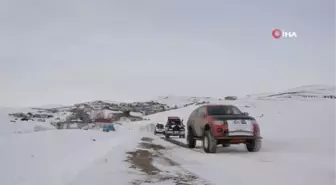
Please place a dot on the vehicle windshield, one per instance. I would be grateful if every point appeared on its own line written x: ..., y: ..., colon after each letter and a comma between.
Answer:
x: 174, y: 121
x: 159, y: 126
x: 223, y: 110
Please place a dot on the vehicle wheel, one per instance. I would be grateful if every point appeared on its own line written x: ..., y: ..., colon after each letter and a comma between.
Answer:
x: 209, y: 142
x: 254, y: 145
x: 190, y: 139
x: 154, y: 133
x: 225, y: 145
x: 167, y: 136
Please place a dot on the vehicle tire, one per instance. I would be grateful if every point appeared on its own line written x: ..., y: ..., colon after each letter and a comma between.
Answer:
x: 167, y: 136
x: 254, y: 145
x: 225, y: 145
x: 209, y: 142
x: 191, y: 142
x: 155, y: 133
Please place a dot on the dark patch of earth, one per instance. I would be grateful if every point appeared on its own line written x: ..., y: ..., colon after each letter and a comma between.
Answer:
x: 147, y: 139
x: 142, y: 160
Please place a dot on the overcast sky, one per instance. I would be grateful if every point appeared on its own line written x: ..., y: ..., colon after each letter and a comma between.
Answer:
x: 68, y: 51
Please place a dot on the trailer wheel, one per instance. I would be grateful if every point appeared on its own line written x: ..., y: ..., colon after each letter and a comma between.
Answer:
x: 167, y: 136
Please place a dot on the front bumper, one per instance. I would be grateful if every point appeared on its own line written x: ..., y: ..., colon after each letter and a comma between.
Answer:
x: 237, y: 137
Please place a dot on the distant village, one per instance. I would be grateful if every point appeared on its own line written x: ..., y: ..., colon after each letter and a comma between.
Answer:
x: 91, y: 114
x: 96, y: 114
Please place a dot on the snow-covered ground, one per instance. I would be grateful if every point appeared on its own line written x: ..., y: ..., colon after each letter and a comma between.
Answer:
x: 298, y: 146
x: 298, y: 149
x: 57, y: 157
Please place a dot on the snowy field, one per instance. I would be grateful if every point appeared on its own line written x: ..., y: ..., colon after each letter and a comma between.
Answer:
x: 57, y: 157
x: 298, y: 146
x: 298, y: 149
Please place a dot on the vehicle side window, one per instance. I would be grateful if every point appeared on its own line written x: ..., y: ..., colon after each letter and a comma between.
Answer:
x: 223, y: 110
x: 236, y: 110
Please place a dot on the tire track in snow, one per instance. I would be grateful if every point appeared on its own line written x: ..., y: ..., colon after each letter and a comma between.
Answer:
x: 156, y: 168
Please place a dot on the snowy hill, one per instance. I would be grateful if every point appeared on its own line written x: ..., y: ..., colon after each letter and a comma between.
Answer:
x: 183, y: 101
x: 310, y: 92
x: 51, y: 106
x: 52, y: 114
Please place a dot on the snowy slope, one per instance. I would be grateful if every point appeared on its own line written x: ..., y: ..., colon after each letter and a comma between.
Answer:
x: 317, y: 89
x: 8, y: 128
x: 311, y: 91
x: 298, y: 146
x: 57, y: 157
x: 181, y: 101
x: 51, y: 106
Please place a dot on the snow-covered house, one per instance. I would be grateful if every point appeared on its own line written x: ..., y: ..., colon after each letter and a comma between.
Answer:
x: 103, y: 117
x: 100, y: 122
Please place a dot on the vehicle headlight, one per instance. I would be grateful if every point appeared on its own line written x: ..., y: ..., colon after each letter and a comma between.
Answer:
x: 218, y: 122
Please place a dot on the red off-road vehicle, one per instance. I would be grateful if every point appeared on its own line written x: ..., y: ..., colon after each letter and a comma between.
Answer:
x: 222, y: 124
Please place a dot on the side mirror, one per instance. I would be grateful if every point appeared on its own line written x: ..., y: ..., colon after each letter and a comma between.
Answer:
x: 246, y: 113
